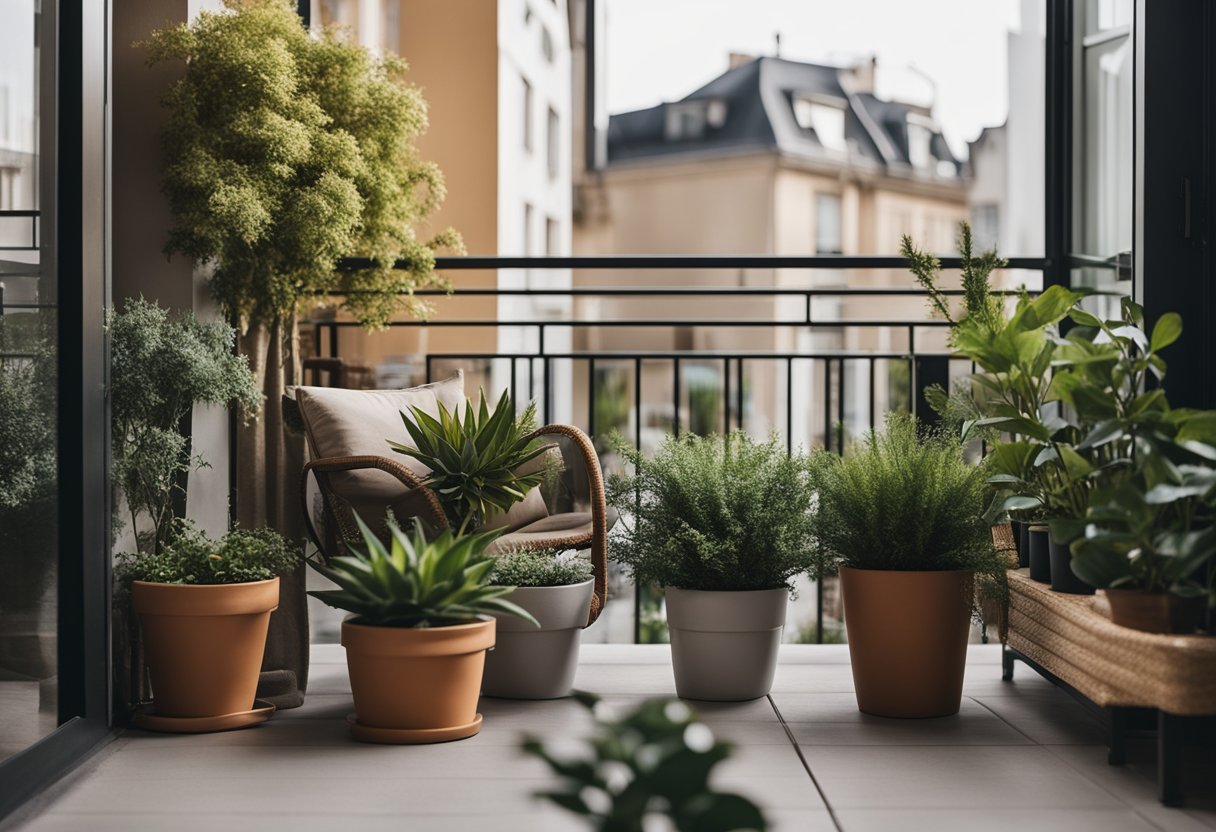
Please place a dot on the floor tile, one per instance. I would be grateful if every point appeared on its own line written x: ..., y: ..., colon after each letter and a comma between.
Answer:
x: 992, y: 820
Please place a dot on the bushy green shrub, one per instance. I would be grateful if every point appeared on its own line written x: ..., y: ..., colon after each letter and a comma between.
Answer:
x: 543, y: 568
x: 194, y: 558
x: 713, y: 513
x: 902, y: 499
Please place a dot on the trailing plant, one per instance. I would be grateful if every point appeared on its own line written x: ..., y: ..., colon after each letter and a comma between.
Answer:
x: 654, y: 763
x: 288, y: 151
x: 161, y: 365
x: 416, y: 581
x: 192, y: 557
x: 476, y: 462
x: 713, y: 513
x: 28, y: 461
x: 540, y: 568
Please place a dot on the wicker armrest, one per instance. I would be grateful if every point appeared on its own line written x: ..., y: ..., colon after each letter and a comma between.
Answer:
x: 599, y: 514
x: 322, y: 468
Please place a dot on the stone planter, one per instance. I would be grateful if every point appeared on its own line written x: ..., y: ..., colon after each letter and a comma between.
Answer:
x: 724, y: 644
x: 532, y: 663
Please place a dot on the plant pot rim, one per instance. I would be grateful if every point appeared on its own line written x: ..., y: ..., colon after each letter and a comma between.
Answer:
x: 478, y: 622
x: 727, y: 591
x: 579, y: 585
x: 1122, y: 590
x: 844, y: 568
x: 239, y: 598
x: 205, y: 587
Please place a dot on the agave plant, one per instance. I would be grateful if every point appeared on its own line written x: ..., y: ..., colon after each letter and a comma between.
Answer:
x: 475, y: 461
x: 416, y: 582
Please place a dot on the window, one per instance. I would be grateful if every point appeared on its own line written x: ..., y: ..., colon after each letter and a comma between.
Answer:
x: 553, y: 243
x: 553, y: 151
x: 825, y: 120
x: 920, y: 145
x: 527, y: 114
x: 8, y: 188
x: 1106, y: 166
x: 527, y: 238
x: 986, y: 225
x: 690, y: 119
x: 546, y: 45
x: 828, y: 232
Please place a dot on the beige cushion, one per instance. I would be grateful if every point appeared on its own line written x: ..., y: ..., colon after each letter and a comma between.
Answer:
x: 342, y: 422
x: 556, y: 529
x: 530, y: 509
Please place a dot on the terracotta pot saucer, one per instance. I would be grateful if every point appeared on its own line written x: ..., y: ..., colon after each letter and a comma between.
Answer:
x: 147, y: 719
x: 411, y: 736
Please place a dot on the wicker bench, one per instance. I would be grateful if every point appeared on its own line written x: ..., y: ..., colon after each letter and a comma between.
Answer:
x: 1071, y: 640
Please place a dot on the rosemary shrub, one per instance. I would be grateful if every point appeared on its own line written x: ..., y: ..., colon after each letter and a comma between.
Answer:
x: 192, y: 557
x: 713, y: 513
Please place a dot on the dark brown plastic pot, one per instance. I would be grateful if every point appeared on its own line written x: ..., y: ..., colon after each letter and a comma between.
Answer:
x: 1039, y: 545
x: 1154, y: 612
x: 907, y: 639
x: 203, y: 643
x: 416, y: 684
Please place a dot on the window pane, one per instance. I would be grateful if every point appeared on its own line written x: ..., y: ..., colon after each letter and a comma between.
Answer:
x: 1106, y: 220
x: 827, y: 224
x: 28, y: 487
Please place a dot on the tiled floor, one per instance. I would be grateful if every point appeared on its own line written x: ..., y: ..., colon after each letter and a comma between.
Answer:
x: 1019, y: 756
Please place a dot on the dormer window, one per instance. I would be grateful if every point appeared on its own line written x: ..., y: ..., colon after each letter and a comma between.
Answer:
x: 920, y: 144
x: 824, y: 118
x: 690, y: 119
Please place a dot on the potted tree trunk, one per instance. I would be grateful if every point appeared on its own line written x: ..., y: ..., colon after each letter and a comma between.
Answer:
x: 900, y: 517
x: 722, y: 524
x: 204, y: 607
x: 530, y: 662
x: 420, y: 625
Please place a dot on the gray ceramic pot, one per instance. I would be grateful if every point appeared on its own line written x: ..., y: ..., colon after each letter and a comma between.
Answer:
x: 724, y: 644
x: 531, y: 663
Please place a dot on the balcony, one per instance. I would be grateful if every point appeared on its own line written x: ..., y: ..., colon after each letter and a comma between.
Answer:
x: 1019, y: 755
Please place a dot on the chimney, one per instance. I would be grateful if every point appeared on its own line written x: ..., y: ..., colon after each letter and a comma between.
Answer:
x: 738, y: 59
x: 860, y: 77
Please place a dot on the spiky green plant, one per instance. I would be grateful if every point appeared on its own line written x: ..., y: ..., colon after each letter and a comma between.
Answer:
x: 475, y: 461
x: 416, y: 582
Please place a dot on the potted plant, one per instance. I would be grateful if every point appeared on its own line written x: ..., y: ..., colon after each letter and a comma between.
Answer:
x: 420, y: 625
x: 652, y: 763
x: 477, y: 463
x: 204, y: 607
x: 722, y: 524
x: 531, y: 663
x: 900, y: 516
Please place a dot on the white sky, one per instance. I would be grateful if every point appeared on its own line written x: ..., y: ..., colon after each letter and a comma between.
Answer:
x: 661, y: 50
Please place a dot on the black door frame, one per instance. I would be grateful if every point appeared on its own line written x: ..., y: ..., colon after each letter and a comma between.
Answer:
x: 75, y: 40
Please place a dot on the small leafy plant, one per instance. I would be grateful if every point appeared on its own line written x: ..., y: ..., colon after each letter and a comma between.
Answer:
x: 714, y: 513
x: 905, y: 499
x: 475, y: 461
x: 416, y: 582
x: 192, y: 557
x: 540, y: 568
x: 652, y: 764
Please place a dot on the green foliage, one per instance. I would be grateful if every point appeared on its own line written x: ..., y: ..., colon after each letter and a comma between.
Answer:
x: 983, y: 309
x: 161, y: 365
x: 654, y: 762
x: 542, y: 568
x: 288, y: 151
x: 28, y: 493
x: 416, y: 582
x: 713, y: 513
x: 902, y: 499
x: 192, y: 557
x: 475, y: 461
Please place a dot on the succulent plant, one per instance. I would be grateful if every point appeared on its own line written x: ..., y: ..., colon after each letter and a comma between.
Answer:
x: 475, y: 461
x: 416, y: 581
x: 654, y: 763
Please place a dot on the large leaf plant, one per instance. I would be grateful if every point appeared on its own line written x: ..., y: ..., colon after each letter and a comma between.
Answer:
x: 416, y: 581
x: 476, y: 461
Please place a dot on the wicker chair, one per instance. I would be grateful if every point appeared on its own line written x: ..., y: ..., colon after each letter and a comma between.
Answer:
x: 347, y: 431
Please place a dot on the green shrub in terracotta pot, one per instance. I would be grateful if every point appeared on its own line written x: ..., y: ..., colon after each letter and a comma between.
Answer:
x: 722, y: 524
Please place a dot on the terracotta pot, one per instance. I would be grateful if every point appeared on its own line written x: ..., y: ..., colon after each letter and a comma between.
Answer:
x: 724, y: 644
x: 419, y: 684
x: 1039, y: 559
x: 1063, y: 579
x: 528, y: 662
x: 203, y: 643
x: 1154, y: 612
x: 907, y: 639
